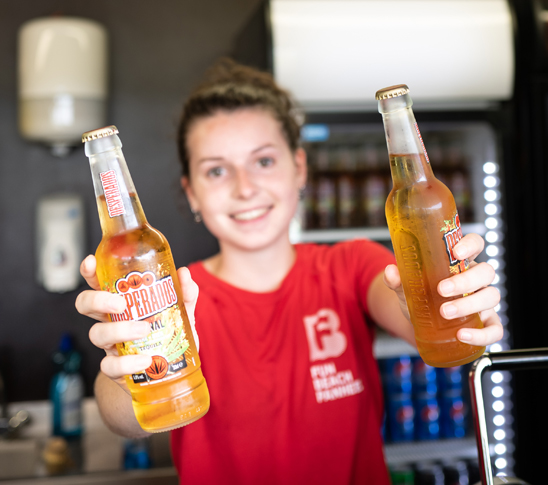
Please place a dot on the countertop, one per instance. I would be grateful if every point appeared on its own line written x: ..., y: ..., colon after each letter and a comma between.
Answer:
x: 99, y: 452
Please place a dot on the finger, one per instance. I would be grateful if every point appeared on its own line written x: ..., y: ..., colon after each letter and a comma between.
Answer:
x: 190, y: 291
x: 98, y: 304
x: 190, y: 297
x: 482, y: 300
x: 106, y: 335
x: 392, y: 277
x: 492, y: 332
x: 88, y: 271
x: 478, y: 276
x: 116, y: 367
x: 469, y: 247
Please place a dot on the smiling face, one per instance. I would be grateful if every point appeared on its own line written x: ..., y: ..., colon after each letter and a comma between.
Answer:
x: 244, y: 178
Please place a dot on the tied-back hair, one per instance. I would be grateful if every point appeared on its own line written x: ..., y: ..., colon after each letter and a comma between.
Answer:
x: 229, y: 86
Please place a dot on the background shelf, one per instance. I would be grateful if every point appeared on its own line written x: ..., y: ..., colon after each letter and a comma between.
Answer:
x: 374, y: 233
x: 435, y: 450
x: 386, y: 346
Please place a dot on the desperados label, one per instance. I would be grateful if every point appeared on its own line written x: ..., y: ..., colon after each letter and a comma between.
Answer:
x: 155, y: 301
x: 113, y: 196
x: 452, y: 234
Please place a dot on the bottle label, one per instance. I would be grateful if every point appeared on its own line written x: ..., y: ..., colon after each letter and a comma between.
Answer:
x: 452, y: 234
x: 154, y: 301
x: 145, y: 296
x: 113, y: 196
x: 422, y: 143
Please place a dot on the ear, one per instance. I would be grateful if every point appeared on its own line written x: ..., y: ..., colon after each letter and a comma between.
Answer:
x: 302, y: 169
x: 185, y: 184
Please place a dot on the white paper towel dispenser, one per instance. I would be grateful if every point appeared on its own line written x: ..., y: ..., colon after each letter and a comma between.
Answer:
x: 335, y: 54
x: 62, y: 79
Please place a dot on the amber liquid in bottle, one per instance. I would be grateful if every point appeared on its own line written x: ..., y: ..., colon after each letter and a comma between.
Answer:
x: 135, y: 261
x: 424, y: 228
x: 419, y: 215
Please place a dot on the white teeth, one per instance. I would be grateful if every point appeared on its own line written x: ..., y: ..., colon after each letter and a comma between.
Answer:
x: 252, y: 214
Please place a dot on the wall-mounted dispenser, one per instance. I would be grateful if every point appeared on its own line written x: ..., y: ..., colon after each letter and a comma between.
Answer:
x: 62, y: 80
x: 60, y: 241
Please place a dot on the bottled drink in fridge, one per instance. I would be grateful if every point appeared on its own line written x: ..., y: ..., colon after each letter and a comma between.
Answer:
x: 424, y: 228
x: 135, y: 261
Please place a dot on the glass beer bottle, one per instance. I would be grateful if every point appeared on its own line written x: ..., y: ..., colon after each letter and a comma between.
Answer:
x: 424, y: 228
x: 135, y: 261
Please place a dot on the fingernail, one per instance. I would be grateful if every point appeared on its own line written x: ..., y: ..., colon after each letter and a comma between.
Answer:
x: 447, y: 287
x: 141, y: 327
x: 465, y: 336
x: 450, y: 310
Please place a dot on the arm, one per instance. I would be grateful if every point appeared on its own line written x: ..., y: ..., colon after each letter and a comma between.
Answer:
x: 116, y: 409
x: 111, y: 391
x: 387, y: 306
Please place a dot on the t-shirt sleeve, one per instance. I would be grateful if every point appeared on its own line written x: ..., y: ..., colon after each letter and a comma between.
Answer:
x: 365, y: 259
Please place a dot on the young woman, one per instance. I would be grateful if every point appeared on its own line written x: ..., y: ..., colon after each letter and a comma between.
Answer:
x: 286, y: 330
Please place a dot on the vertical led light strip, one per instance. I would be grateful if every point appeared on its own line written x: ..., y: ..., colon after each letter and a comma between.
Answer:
x: 497, y: 388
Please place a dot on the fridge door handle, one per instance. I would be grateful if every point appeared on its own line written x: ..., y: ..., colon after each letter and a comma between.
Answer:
x: 525, y: 359
x: 522, y: 359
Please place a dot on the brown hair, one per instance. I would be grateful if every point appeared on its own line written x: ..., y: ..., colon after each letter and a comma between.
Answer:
x: 229, y: 86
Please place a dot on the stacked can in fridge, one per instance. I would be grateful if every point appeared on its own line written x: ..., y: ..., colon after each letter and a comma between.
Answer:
x: 422, y: 402
x: 397, y: 383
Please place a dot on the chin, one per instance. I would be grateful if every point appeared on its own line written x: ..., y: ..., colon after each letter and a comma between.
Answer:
x: 259, y: 242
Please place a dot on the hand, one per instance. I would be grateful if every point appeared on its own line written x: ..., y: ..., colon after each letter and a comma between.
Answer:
x: 105, y: 334
x: 475, y: 282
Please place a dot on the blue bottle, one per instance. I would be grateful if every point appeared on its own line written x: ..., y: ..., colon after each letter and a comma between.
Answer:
x: 136, y: 454
x: 67, y: 390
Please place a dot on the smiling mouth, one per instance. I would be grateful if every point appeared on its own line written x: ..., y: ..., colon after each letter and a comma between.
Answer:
x: 251, y: 214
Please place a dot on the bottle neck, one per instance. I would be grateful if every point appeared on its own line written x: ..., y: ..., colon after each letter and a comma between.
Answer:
x: 409, y: 162
x: 119, y: 207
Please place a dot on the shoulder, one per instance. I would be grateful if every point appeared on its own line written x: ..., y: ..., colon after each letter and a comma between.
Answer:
x: 351, y: 266
x: 198, y: 272
x: 357, y: 252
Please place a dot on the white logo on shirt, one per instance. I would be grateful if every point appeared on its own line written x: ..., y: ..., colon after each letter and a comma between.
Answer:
x: 325, y: 340
x: 330, y: 384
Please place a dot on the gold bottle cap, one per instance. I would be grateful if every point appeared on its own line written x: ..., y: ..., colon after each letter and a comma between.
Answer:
x: 392, y: 92
x: 99, y: 133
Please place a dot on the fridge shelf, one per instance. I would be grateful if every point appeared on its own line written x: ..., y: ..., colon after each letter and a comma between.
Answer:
x: 374, y: 233
x: 435, y: 450
x: 386, y: 346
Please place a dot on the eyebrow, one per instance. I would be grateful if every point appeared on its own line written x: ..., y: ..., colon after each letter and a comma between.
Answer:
x: 210, y: 159
x: 218, y: 159
x: 262, y: 147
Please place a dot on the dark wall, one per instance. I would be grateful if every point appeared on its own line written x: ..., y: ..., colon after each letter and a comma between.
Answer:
x: 158, y: 51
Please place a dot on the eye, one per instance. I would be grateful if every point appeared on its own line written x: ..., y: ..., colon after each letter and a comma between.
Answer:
x: 215, y: 172
x: 266, y: 161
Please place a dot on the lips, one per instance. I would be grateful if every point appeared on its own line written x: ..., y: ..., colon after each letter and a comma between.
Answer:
x: 250, y: 214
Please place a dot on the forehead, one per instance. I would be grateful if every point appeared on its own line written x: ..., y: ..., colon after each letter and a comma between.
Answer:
x: 242, y: 128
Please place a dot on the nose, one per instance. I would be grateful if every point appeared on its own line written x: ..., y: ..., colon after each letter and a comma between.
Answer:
x: 244, y: 185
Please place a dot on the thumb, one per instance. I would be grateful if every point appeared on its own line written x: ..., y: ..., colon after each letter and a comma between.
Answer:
x: 392, y: 280
x: 190, y: 297
x: 190, y: 291
x: 392, y: 277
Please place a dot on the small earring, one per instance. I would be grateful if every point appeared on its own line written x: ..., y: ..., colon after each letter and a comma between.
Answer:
x: 197, y: 215
x: 302, y: 192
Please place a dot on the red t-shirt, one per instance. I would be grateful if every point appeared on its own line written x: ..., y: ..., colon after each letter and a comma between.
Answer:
x: 295, y: 389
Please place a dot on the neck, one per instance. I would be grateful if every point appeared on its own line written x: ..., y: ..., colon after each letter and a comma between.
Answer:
x: 259, y: 271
